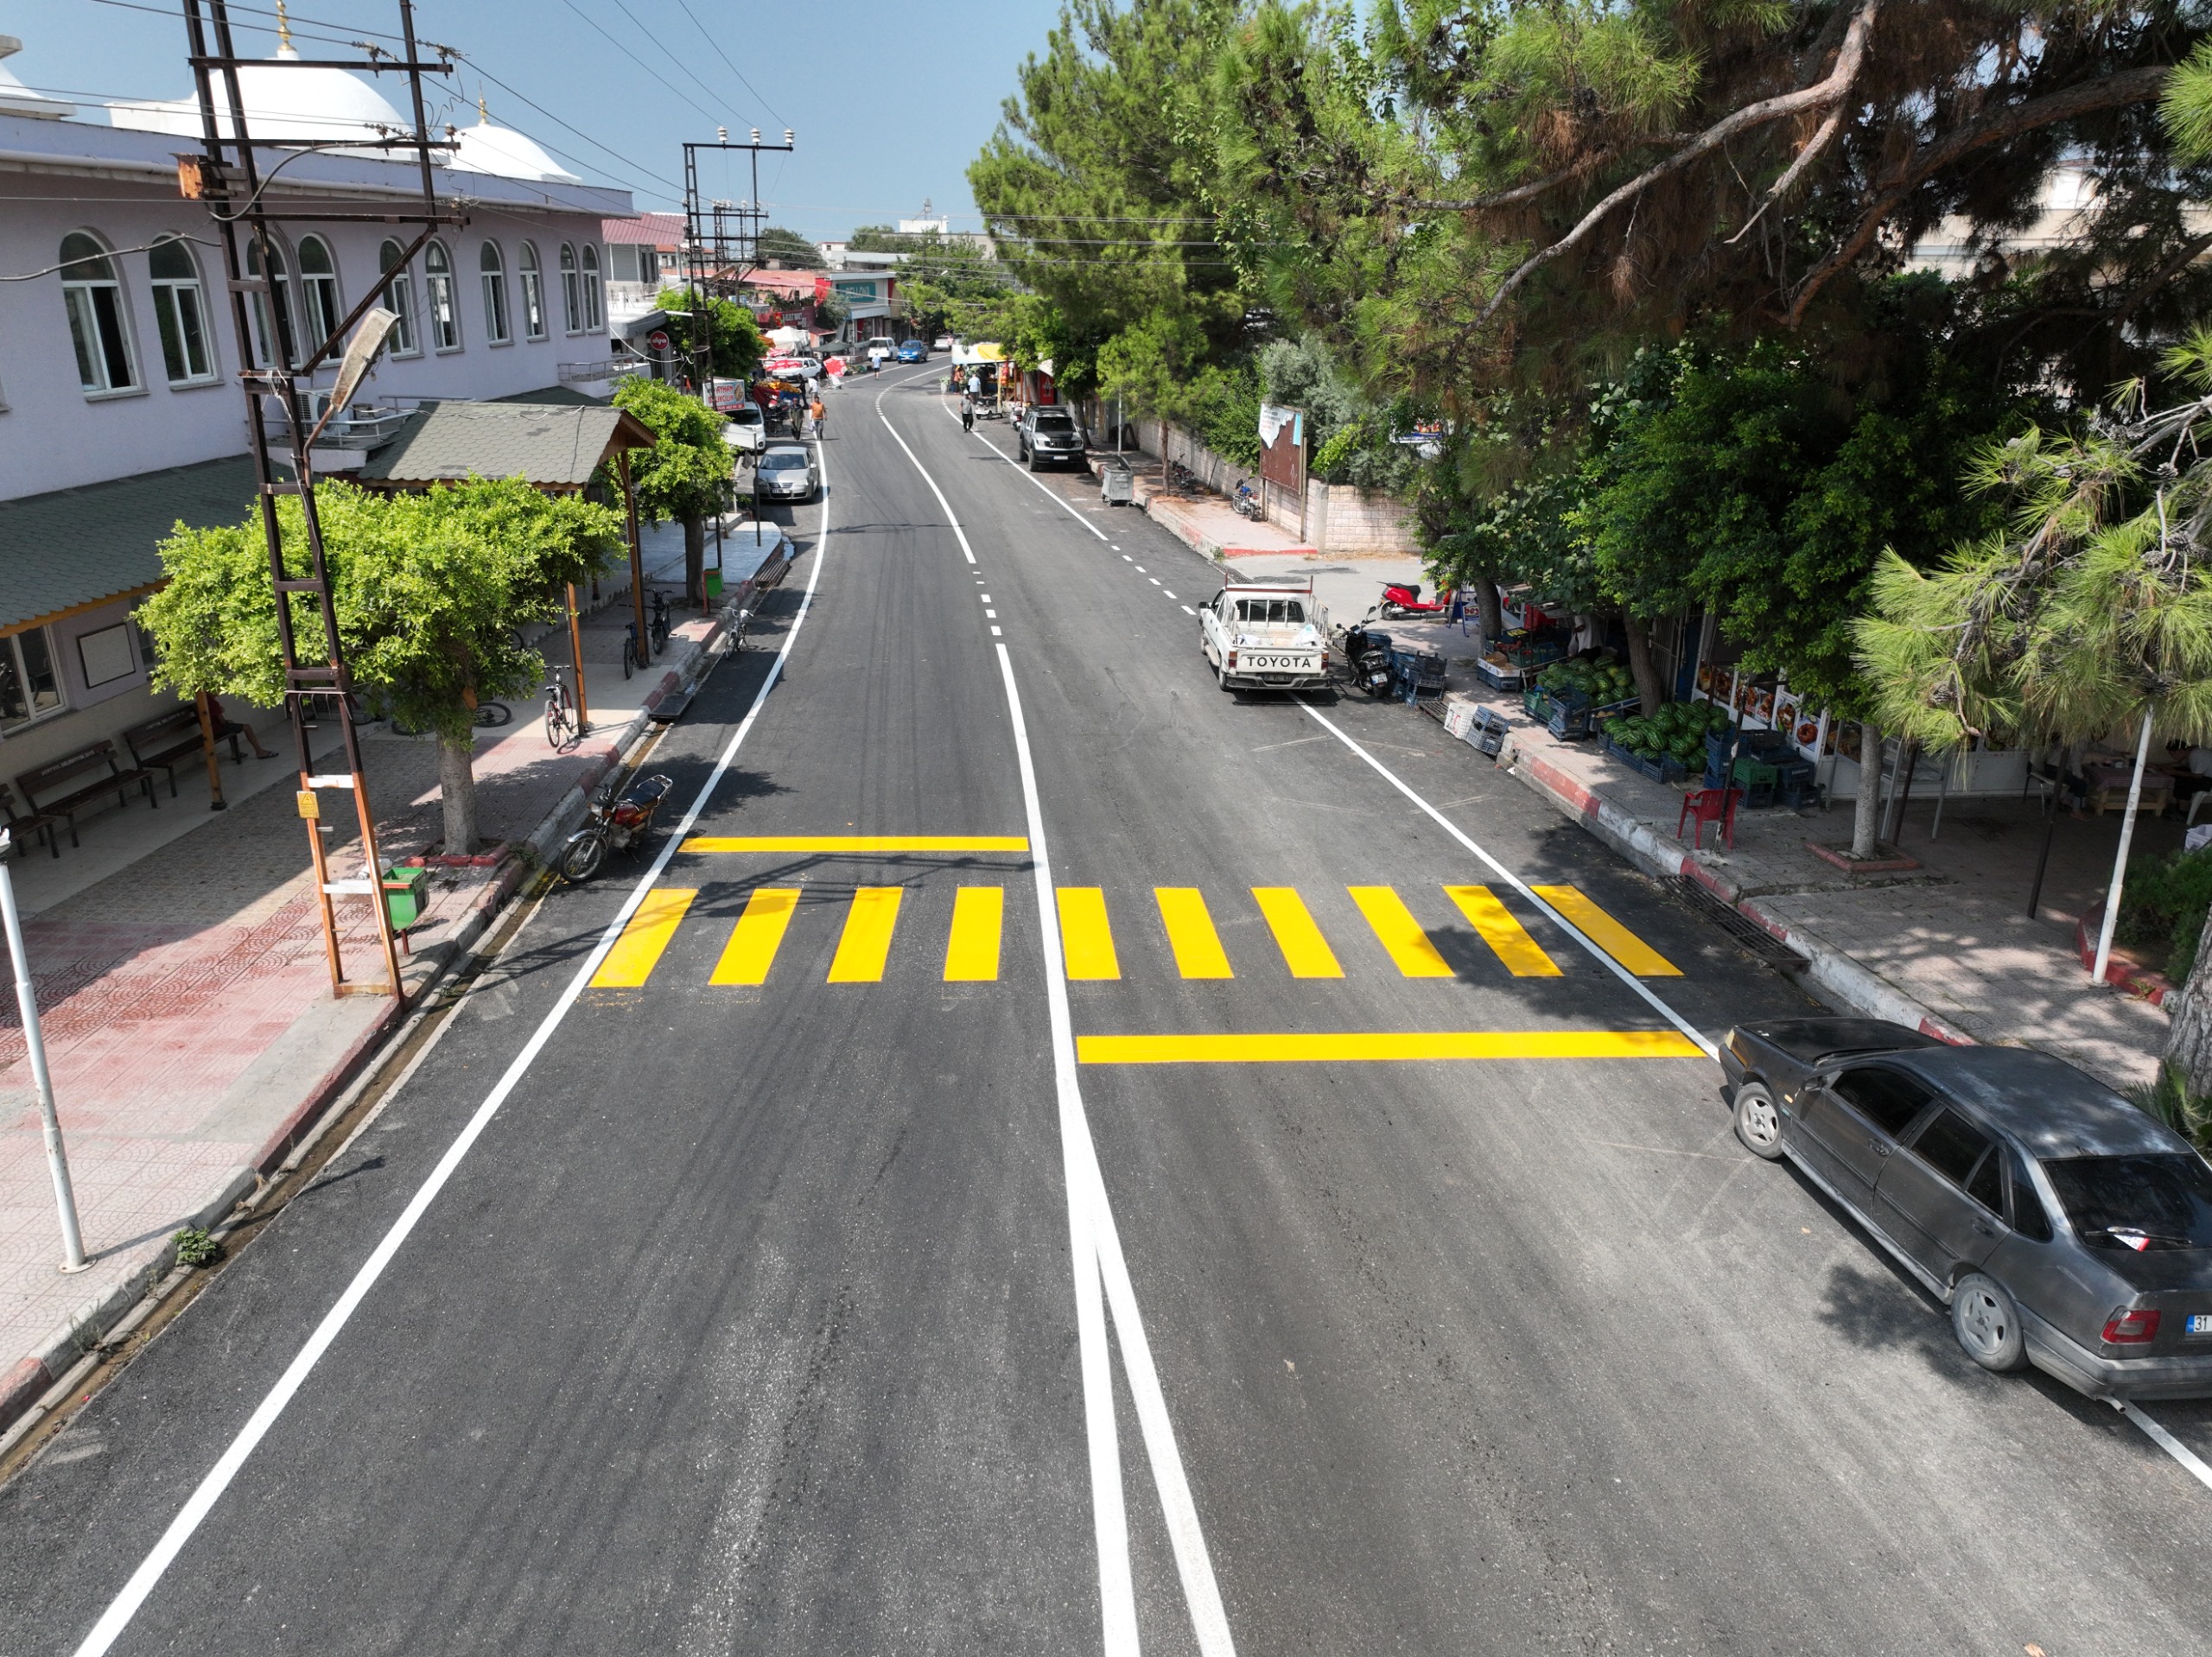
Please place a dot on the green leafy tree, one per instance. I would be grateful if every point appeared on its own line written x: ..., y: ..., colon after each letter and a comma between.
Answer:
x: 685, y: 475
x: 429, y: 590
x: 777, y: 246
x: 735, y: 343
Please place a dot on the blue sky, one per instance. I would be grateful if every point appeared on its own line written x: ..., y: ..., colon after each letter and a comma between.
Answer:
x: 890, y: 100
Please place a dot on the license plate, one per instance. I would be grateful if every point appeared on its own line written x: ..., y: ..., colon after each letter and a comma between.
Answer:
x: 2199, y: 1322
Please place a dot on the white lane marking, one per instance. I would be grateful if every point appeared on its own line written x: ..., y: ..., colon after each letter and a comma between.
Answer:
x: 1154, y: 580
x: 1112, y: 547
x: 1087, y: 1192
x: 1521, y: 886
x: 1165, y: 594
x: 986, y: 598
x: 1108, y: 1510
x: 990, y: 615
x: 210, y: 1490
x: 1138, y: 567
x: 1188, y: 610
x: 1057, y: 500
x: 2158, y: 1435
x: 1126, y: 559
x: 996, y: 633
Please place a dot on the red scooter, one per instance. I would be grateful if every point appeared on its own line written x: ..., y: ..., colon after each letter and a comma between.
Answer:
x: 1401, y: 599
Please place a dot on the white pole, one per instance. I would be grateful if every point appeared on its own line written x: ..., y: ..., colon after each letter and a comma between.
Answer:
x: 57, y: 1160
x: 2120, y: 863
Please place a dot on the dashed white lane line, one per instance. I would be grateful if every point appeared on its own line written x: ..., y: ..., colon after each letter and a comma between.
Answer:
x: 1126, y: 559
x: 1165, y: 594
x: 1187, y: 608
x: 990, y: 615
x: 1154, y: 580
x: 995, y: 632
x: 2173, y: 1446
x: 1055, y: 499
x: 985, y: 597
x: 1138, y: 567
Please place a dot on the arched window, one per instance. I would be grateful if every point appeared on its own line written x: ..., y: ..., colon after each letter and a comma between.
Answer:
x: 266, y: 307
x: 495, y: 294
x: 180, y: 310
x: 591, y: 286
x: 94, y: 297
x: 571, y: 293
x: 318, y: 292
x: 445, y: 319
x: 400, y: 300
x: 533, y: 293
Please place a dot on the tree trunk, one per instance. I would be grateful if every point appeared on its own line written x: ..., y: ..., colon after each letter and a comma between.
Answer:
x: 1490, y: 615
x: 457, y: 790
x: 2188, y: 1041
x: 1648, y: 687
x: 1865, y: 820
x: 694, y: 560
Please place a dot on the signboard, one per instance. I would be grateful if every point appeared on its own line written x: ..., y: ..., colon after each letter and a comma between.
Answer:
x: 657, y: 339
x: 864, y: 288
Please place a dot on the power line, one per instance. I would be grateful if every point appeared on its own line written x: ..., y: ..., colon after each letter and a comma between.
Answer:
x: 676, y: 58
x: 578, y: 132
x: 639, y: 61
x: 733, y: 69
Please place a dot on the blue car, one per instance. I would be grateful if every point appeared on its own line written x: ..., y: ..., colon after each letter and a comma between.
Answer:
x: 913, y: 350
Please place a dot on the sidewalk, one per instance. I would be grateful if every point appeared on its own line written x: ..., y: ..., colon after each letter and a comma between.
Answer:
x: 1947, y: 948
x: 183, y: 990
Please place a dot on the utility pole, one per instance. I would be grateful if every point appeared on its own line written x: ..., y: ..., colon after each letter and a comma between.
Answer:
x: 228, y: 177
x: 57, y: 1157
x: 717, y: 259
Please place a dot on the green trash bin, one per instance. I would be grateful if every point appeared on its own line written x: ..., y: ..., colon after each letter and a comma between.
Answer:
x: 406, y: 895
x: 713, y: 583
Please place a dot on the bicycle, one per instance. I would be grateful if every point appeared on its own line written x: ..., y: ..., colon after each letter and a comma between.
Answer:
x: 658, y: 625
x: 629, y: 648
x: 561, y: 728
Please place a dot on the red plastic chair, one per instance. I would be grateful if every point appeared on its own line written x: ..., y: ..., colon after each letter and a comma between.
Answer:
x: 1714, y: 805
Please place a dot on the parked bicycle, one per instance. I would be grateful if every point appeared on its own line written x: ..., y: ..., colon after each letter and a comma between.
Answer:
x: 658, y: 625
x: 561, y: 727
x: 629, y: 648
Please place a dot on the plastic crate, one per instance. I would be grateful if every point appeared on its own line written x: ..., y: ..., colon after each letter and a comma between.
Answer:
x: 1535, y: 702
x: 1496, y: 677
x: 1661, y: 770
x: 1567, y: 722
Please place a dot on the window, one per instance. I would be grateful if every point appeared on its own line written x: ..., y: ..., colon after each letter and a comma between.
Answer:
x: 1278, y: 611
x: 318, y: 292
x: 533, y: 293
x: 591, y: 286
x: 180, y: 309
x: 94, y: 298
x: 28, y: 686
x: 437, y: 278
x: 571, y: 305
x: 1951, y: 1146
x: 399, y: 298
x: 2029, y: 1218
x: 267, y: 307
x: 495, y: 294
x: 2139, y: 1203
x: 1883, y: 1097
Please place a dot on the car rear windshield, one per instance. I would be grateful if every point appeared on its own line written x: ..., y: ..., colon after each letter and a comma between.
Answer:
x: 2139, y: 1203
x: 783, y: 460
x: 744, y: 417
x: 1270, y: 610
x: 1054, y: 422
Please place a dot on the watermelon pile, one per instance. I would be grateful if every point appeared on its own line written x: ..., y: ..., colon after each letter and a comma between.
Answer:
x: 1676, y: 732
x: 1601, y: 682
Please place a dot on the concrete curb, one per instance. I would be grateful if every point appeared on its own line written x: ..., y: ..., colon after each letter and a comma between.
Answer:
x: 89, y: 1327
x: 1841, y: 979
x: 2120, y: 972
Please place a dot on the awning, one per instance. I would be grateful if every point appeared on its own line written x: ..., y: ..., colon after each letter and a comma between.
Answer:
x: 988, y: 351
x: 552, y: 446
x: 74, y: 549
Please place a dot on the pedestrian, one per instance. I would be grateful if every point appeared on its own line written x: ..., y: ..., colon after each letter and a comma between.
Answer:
x: 223, y: 727
x: 818, y: 413
x: 975, y: 385
x: 968, y: 412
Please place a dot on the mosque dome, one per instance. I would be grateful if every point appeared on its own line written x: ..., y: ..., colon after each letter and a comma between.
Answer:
x: 283, y: 105
x: 505, y: 153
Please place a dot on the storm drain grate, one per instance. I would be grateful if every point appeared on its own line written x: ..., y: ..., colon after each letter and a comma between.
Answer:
x: 1754, y: 939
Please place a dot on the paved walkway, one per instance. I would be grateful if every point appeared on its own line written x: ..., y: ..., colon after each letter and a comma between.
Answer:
x: 184, y: 995
x: 1948, y: 946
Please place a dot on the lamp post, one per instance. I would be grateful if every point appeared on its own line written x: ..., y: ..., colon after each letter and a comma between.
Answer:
x: 57, y: 1160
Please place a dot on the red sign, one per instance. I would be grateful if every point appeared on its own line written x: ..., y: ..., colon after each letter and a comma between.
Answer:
x: 657, y: 339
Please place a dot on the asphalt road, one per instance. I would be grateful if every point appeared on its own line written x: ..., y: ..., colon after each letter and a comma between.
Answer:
x: 774, y: 1305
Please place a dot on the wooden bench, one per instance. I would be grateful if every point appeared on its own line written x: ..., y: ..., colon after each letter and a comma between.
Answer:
x: 158, y: 743
x: 33, y: 823
x: 88, y: 775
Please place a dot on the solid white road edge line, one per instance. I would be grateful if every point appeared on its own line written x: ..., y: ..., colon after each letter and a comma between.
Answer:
x: 1521, y: 886
x: 2173, y: 1446
x: 1087, y: 1191
x: 1032, y: 476
x: 202, y: 1501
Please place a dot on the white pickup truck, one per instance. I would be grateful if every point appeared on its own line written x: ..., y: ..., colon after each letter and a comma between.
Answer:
x: 1265, y: 633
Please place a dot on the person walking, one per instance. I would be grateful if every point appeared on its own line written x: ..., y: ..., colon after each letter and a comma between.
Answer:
x: 968, y: 412
x: 818, y: 412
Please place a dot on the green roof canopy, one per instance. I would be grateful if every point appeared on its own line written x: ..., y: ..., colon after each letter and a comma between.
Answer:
x: 552, y: 446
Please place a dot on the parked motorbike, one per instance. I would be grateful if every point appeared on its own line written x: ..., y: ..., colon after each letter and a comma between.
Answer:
x: 618, y: 825
x: 1247, y: 501
x: 1367, y: 660
x: 1403, y: 599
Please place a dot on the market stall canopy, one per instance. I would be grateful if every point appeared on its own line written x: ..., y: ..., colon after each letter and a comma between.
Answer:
x: 988, y: 350
x: 552, y: 446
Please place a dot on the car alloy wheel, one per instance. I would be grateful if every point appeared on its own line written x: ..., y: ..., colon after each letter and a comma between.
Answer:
x: 1987, y: 1324
x: 1758, y: 1122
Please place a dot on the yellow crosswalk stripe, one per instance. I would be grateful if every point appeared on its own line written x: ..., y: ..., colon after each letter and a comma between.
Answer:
x: 1507, y: 939
x: 1198, y: 946
x: 866, y: 944
x: 1399, y: 932
x: 757, y: 937
x: 1364, y: 1046
x: 971, y: 954
x: 1086, y: 940
x: 1608, y: 934
x: 1305, y: 951
x: 631, y: 961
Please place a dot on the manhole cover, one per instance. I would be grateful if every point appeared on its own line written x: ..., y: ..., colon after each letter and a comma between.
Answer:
x: 1752, y: 938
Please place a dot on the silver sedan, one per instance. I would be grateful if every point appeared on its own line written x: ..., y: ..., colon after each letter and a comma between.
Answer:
x: 786, y: 473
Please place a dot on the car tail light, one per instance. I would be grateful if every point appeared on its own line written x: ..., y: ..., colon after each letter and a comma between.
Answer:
x: 2132, y: 1327
x: 1232, y: 658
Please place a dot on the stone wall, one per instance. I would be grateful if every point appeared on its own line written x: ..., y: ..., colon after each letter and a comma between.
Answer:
x: 1342, y: 518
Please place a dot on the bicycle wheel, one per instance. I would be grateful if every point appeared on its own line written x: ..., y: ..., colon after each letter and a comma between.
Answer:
x: 493, y: 714
x: 556, y: 725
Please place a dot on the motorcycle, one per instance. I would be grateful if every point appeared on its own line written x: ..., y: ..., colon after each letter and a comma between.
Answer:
x: 1247, y: 501
x: 1367, y: 660
x: 615, y: 825
x: 1401, y: 600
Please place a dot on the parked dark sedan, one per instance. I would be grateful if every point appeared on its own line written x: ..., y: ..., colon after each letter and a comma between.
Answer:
x: 2063, y: 1227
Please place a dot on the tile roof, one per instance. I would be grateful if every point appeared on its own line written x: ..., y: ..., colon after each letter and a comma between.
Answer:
x: 650, y: 229
x: 550, y: 444
x: 77, y: 547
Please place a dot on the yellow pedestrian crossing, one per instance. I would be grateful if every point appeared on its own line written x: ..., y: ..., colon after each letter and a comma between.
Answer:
x: 1198, y: 946
x: 974, y: 943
